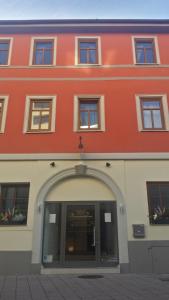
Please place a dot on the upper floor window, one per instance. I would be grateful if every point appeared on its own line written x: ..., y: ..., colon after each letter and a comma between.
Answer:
x: 158, y: 200
x: 5, y: 51
x: 40, y: 114
x: 43, y: 52
x: 3, y: 112
x: 89, y: 113
x: 146, y: 50
x: 13, y: 203
x: 88, y: 51
x: 152, y: 112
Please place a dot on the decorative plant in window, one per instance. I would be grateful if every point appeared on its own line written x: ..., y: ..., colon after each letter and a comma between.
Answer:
x: 160, y: 215
x: 13, y: 204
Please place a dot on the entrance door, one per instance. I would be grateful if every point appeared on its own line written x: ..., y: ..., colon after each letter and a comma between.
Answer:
x: 80, y: 234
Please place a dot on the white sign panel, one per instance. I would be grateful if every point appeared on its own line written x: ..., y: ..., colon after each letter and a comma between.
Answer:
x: 52, y: 218
x: 107, y: 217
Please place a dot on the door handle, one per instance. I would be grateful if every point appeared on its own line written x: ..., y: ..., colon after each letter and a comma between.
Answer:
x: 94, y: 237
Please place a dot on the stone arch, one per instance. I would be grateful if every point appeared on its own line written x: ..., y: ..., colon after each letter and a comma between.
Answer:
x: 82, y: 171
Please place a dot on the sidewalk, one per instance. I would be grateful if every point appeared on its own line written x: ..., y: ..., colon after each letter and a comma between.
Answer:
x: 71, y: 287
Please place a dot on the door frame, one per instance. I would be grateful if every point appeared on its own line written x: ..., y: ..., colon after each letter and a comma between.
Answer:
x: 86, y: 263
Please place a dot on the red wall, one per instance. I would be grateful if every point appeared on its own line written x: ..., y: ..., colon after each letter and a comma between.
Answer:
x: 121, y: 133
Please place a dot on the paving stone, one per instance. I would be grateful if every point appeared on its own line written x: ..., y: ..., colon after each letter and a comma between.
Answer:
x: 71, y: 287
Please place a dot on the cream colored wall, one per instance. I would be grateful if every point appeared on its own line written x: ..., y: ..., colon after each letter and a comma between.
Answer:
x: 136, y: 175
x: 130, y: 176
x: 80, y: 189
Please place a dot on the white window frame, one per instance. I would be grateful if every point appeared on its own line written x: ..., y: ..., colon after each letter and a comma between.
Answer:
x: 37, y: 38
x: 77, y: 38
x: 101, y: 112
x: 27, y: 113
x: 10, y: 39
x: 4, y: 114
x: 164, y: 107
x: 146, y: 37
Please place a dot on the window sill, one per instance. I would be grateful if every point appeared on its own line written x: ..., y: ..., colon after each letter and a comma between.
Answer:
x: 88, y: 65
x: 147, y: 64
x: 154, y: 130
x: 37, y: 132
x: 90, y: 130
x: 42, y: 66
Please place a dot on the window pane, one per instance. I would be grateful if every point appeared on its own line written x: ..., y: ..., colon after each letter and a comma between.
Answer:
x: 151, y: 104
x: 44, y: 45
x: 93, y: 120
x: 35, y: 120
x: 147, y: 119
x: 45, y: 120
x: 47, y: 57
x: 40, y: 105
x: 88, y: 106
x: 150, y: 56
x: 157, y: 119
x: 4, y: 46
x: 83, y: 56
x: 88, y: 45
x: 3, y: 57
x: 84, y: 120
x: 92, y: 56
x: 39, y: 57
x: 140, y: 56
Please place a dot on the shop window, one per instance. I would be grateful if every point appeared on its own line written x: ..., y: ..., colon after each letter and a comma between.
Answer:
x: 14, y: 203
x: 158, y: 200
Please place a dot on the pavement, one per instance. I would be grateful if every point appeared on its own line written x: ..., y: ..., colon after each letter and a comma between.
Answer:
x: 71, y: 287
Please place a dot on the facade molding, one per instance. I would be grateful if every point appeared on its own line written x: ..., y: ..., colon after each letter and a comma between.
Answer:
x: 145, y: 78
x: 85, y: 156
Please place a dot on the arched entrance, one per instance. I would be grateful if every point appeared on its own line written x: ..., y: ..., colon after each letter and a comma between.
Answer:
x: 70, y: 215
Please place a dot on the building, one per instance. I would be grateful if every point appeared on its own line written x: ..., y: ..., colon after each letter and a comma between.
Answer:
x: 84, y: 145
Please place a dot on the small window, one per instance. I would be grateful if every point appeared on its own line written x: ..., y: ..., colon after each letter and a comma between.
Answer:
x: 4, y: 52
x: 43, y: 52
x: 88, y: 51
x: 152, y: 114
x: 158, y: 200
x: 40, y: 115
x: 145, y: 50
x: 14, y: 203
x: 89, y: 114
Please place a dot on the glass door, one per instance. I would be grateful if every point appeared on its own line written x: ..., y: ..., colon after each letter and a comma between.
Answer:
x: 80, y: 235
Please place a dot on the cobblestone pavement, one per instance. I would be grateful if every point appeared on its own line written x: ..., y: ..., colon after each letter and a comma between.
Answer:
x: 71, y: 287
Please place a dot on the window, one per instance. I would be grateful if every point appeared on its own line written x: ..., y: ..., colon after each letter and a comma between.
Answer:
x: 43, y: 51
x: 145, y: 50
x: 88, y: 51
x: 89, y: 113
x: 5, y: 51
x: 152, y: 112
x: 3, y: 111
x: 158, y: 201
x: 14, y: 203
x: 40, y: 114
